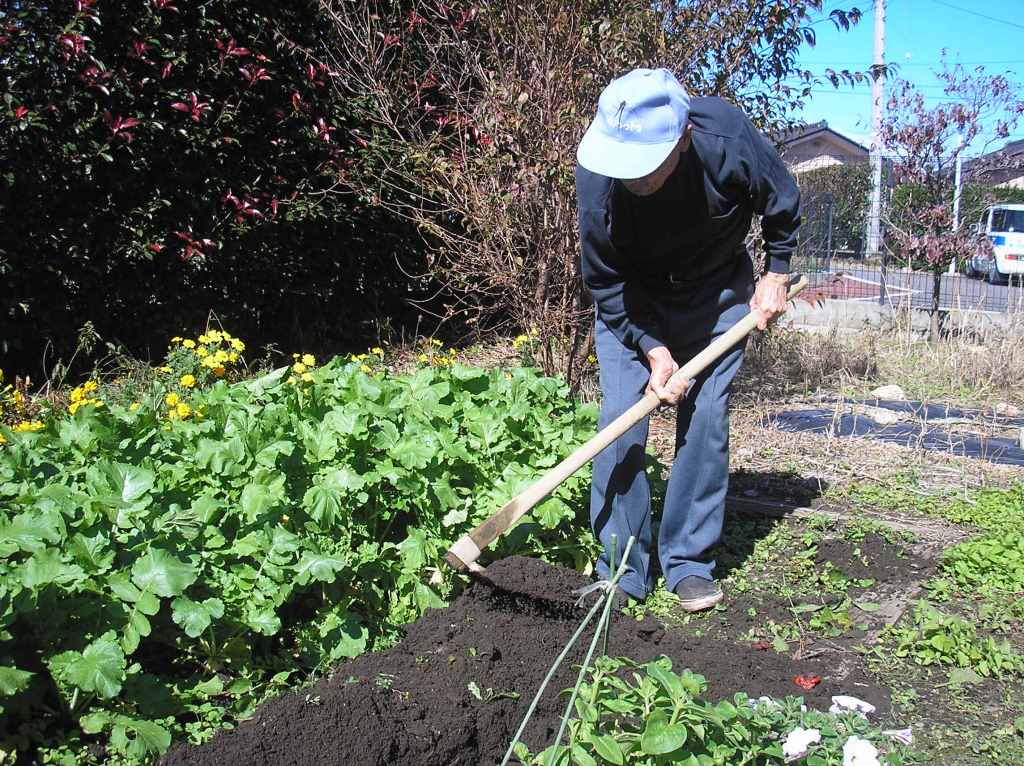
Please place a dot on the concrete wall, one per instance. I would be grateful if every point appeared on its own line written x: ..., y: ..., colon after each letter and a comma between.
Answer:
x: 856, y: 316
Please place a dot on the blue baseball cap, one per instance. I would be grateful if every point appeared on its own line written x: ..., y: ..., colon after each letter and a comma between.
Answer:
x: 640, y: 117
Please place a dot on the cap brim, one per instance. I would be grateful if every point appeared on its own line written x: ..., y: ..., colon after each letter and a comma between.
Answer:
x: 607, y: 157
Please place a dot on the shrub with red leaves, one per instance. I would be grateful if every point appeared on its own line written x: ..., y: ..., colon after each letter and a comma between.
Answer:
x: 163, y: 159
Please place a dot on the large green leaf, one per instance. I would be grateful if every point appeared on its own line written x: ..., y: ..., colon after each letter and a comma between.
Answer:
x: 195, y: 617
x: 42, y: 568
x: 318, y: 566
x: 159, y: 572
x: 99, y: 668
x: 92, y: 553
x: 659, y: 736
x: 129, y: 482
x: 264, y: 383
x: 344, y: 635
x: 13, y: 680
x: 323, y: 503
x: 224, y: 457
x: 608, y: 748
x: 137, y: 737
x: 263, y: 621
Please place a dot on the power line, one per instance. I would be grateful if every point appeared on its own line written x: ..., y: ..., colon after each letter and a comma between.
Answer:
x: 920, y: 63
x: 980, y: 15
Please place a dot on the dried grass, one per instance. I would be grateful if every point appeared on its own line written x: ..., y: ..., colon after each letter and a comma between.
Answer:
x: 967, y: 365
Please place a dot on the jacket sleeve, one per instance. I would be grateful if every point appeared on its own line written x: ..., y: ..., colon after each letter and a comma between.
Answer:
x: 622, y: 304
x: 776, y: 198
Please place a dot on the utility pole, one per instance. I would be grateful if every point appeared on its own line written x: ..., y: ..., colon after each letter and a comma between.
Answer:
x: 877, y: 96
x: 957, y: 187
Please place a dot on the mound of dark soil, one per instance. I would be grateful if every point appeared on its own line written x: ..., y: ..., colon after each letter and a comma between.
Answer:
x: 873, y: 558
x: 411, y: 704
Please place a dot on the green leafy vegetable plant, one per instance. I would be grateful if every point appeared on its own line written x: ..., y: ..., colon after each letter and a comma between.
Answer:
x: 151, y: 562
x: 648, y: 714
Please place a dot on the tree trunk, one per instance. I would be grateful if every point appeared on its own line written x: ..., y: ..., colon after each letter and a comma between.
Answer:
x: 936, y: 292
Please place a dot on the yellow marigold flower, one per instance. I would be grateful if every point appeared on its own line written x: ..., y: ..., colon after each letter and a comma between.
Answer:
x: 209, y: 362
x: 533, y: 332
x: 309, y: 360
x: 95, y: 403
x: 436, y: 342
x: 237, y: 345
x: 183, y: 410
x: 172, y: 399
x: 591, y: 359
x: 28, y: 426
x: 89, y: 386
x: 77, y: 394
x: 176, y: 339
x: 221, y: 355
x: 73, y: 407
x: 452, y: 352
x: 214, y: 336
x: 307, y: 377
x: 520, y: 340
x: 295, y: 356
x: 202, y: 352
x: 423, y: 358
x: 188, y: 343
x: 365, y: 368
x: 188, y: 380
x: 204, y: 338
x: 133, y: 406
x: 19, y: 399
x: 358, y: 357
x: 218, y: 371
x: 232, y: 357
x: 378, y: 351
x: 299, y: 367
x: 2, y: 439
x: 163, y: 369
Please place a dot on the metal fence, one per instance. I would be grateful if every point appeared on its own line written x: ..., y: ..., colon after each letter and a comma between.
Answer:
x: 832, y: 253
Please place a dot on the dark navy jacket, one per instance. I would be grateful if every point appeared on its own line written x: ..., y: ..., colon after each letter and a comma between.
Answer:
x: 693, y: 228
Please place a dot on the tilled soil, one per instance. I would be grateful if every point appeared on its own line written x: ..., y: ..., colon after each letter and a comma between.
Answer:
x: 411, y: 704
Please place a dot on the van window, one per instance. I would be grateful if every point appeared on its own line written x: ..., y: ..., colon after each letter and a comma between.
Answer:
x: 1007, y: 220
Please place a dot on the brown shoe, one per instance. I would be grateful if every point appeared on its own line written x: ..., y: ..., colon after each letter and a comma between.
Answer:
x: 696, y: 594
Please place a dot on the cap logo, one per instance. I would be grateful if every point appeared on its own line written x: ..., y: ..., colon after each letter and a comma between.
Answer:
x: 630, y: 126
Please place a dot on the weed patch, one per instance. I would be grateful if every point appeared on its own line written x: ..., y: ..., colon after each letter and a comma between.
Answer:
x: 931, y: 637
x: 989, y: 563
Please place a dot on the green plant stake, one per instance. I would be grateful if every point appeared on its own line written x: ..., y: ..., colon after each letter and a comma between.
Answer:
x: 602, y: 628
x: 611, y: 597
x: 565, y: 651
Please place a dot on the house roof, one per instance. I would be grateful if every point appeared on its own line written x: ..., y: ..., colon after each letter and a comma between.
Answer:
x: 801, y: 133
x: 1008, y: 160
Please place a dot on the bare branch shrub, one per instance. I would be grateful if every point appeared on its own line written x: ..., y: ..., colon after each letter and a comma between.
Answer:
x: 479, y: 109
x: 925, y: 143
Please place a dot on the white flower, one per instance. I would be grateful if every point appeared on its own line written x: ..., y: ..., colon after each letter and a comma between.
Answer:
x: 763, y: 701
x: 796, y: 744
x: 842, y: 703
x: 859, y: 752
x: 906, y: 736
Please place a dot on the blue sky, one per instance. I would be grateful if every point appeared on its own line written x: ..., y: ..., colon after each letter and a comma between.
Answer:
x: 917, y: 31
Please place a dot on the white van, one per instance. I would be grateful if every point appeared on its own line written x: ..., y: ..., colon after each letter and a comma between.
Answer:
x: 1004, y: 227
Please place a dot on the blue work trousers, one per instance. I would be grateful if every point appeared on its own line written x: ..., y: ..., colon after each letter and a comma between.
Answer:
x: 620, y: 500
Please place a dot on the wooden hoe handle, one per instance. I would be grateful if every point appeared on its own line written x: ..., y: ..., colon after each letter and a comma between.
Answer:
x: 464, y: 553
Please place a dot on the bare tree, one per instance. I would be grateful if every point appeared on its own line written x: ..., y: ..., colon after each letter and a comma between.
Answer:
x: 925, y: 143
